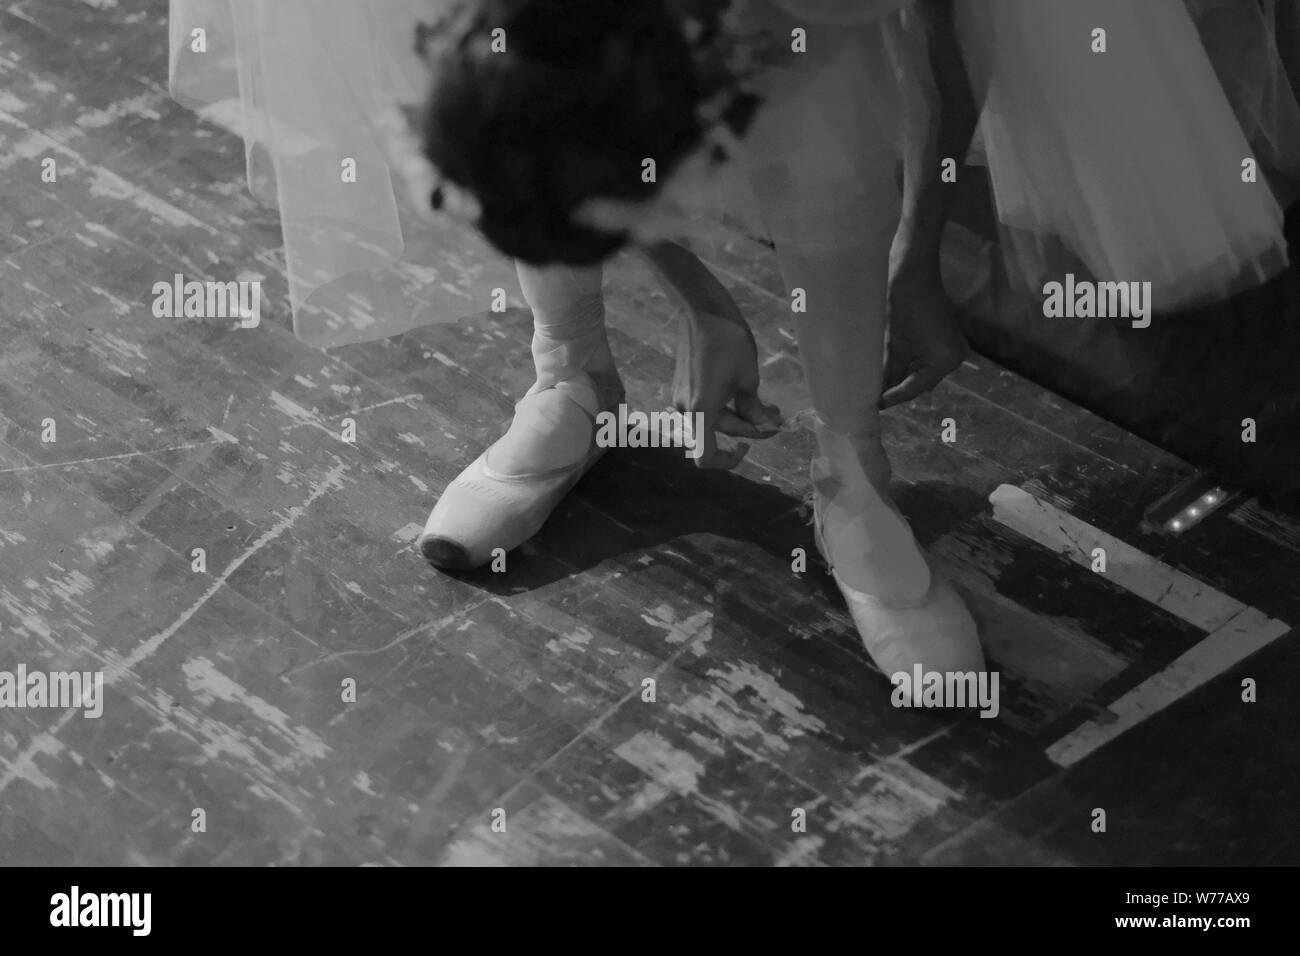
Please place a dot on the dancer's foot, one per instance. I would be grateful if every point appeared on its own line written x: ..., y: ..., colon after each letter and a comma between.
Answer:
x: 905, y: 612
x: 506, y: 495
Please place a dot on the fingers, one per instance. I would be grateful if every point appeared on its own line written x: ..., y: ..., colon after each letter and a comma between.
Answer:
x: 908, y: 375
x: 917, y: 383
x: 695, y: 430
x: 729, y: 423
x: 896, y: 365
x: 750, y: 407
x: 723, y: 459
x: 715, y: 458
x: 750, y: 419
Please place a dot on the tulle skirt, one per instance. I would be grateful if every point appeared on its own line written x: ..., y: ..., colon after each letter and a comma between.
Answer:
x: 1130, y: 160
x: 1133, y: 157
x: 315, y: 88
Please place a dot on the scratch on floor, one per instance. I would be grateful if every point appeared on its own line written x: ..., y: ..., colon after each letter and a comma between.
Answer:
x: 400, y: 400
x: 218, y: 439
x: 333, y: 480
x: 429, y: 626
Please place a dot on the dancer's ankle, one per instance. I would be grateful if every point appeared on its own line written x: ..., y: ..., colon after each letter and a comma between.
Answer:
x: 601, y: 375
x: 849, y: 456
x: 871, y: 544
x: 552, y: 428
x: 565, y: 352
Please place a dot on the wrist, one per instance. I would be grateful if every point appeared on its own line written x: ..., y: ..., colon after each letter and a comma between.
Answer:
x: 705, y: 322
x: 912, y: 262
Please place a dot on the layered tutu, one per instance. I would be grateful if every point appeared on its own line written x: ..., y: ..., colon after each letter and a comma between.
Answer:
x: 315, y: 87
x: 1132, y: 157
x: 1129, y: 159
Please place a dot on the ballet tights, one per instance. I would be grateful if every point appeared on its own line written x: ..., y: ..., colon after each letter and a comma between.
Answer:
x: 574, y: 364
x: 839, y: 255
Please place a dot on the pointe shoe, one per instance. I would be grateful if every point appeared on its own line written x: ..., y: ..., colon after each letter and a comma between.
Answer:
x: 486, y: 507
x: 935, y: 631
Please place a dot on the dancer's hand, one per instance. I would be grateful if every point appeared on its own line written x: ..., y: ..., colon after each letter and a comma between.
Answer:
x: 717, y: 361
x: 938, y: 112
x: 717, y: 364
x: 925, y: 342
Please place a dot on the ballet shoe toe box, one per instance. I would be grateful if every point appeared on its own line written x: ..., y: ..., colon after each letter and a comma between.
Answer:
x: 939, y: 635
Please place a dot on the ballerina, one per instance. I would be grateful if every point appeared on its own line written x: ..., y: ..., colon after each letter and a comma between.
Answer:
x: 1126, y: 158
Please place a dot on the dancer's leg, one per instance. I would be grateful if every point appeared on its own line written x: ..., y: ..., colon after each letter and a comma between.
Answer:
x: 570, y: 346
x: 843, y: 267
x: 834, y: 225
x: 906, y: 615
x: 568, y: 322
x: 503, y: 498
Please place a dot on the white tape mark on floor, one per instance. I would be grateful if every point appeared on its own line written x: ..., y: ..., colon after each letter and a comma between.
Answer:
x: 1235, y: 630
x: 1234, y: 642
x: 1166, y: 587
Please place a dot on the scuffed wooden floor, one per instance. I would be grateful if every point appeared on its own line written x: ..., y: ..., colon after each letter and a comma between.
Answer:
x: 523, y: 692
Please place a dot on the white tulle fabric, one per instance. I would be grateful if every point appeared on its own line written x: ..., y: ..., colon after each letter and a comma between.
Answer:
x: 1132, y: 157
x: 1129, y: 160
x: 311, y: 85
